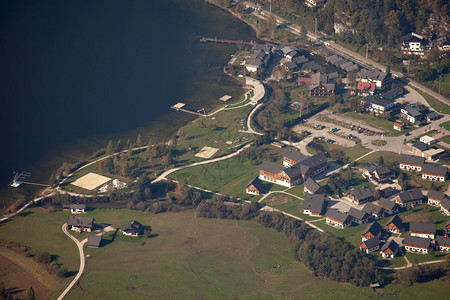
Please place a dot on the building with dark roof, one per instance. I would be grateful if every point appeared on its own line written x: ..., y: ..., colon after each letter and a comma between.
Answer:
x: 80, y: 223
x: 371, y: 245
x: 419, y: 147
x: 371, y: 231
x: 445, y: 207
x: 434, y: 172
x: 382, y: 80
x: 389, y: 206
x: 338, y: 219
x: 414, y: 44
x: 320, y: 86
x: 77, y: 208
x: 416, y: 244
x: 358, y: 216
x: 313, y: 204
x: 411, y: 162
x: 413, y: 197
x: 254, y: 187
x: 411, y: 114
x: 389, y: 250
x: 361, y: 195
x: 374, y: 210
x: 442, y: 243
x: 311, y: 66
x: 382, y: 174
x: 312, y: 187
x: 94, y: 241
x: 132, y: 228
x: 388, y: 191
x: 292, y: 157
x: 370, y: 169
x: 432, y: 116
x: 378, y: 105
x: 394, y: 224
x: 423, y: 230
x: 435, y: 197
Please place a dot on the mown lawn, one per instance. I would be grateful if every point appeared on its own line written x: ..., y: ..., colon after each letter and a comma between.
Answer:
x: 445, y: 125
x: 389, y: 157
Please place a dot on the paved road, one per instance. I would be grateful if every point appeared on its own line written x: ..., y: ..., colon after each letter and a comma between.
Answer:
x: 82, y: 260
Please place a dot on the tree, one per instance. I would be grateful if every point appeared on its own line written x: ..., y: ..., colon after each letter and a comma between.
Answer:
x: 119, y: 146
x: 3, y: 291
x: 31, y: 295
x: 109, y: 148
x: 377, y: 194
x: 381, y: 161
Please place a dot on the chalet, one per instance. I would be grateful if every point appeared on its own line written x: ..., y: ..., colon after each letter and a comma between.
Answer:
x: 370, y: 245
x: 390, y: 207
x: 80, y: 223
x: 398, y: 126
x: 365, y: 88
x: 94, y: 241
x: 371, y: 231
x: 434, y: 154
x: 434, y: 172
x: 77, y: 208
x: 411, y: 162
x: 315, y: 3
x: 320, y: 87
x: 428, y: 140
x: 447, y: 227
x: 280, y: 175
x: 368, y: 171
x: 442, y: 243
x: 413, y: 197
x: 411, y: 114
x: 257, y: 60
x: 361, y: 195
x: 416, y: 244
x: 313, y: 165
x: 432, y: 116
x: 312, y: 187
x: 132, y: 228
x: 414, y: 44
x: 419, y: 148
x: 435, y: 197
x: 338, y: 219
x: 358, y: 216
x: 382, y: 174
x: 388, y: 191
x: 254, y: 187
x: 292, y: 157
x: 382, y: 80
x: 313, y: 204
x: 423, y: 230
x: 394, y: 225
x: 374, y: 210
x: 445, y: 207
x: 389, y: 250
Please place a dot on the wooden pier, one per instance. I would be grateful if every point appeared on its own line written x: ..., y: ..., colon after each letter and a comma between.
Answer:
x: 222, y: 41
x: 179, y: 107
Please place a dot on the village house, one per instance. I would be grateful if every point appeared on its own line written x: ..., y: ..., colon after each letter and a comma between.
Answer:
x: 445, y: 207
x: 382, y: 174
x: 416, y: 244
x: 259, y: 58
x: 428, y: 140
x: 413, y: 197
x: 411, y: 114
x: 313, y: 204
x: 447, y: 227
x: 388, y: 191
x: 94, y: 241
x: 442, y: 243
x: 414, y: 44
x: 370, y: 246
x: 77, y: 208
x: 398, y: 126
x: 389, y: 250
x: 315, y: 3
x: 382, y: 80
x: 435, y: 197
x: 390, y: 207
x: 132, y: 228
x: 320, y: 87
x: 312, y: 187
x: 423, y: 230
x: 365, y: 88
x: 368, y: 171
x: 371, y: 231
x: 254, y: 187
x: 434, y: 154
x: 394, y: 225
x: 378, y: 105
x: 434, y: 172
x: 358, y: 216
x: 361, y: 195
x: 374, y: 210
x: 81, y: 224
x: 338, y: 219
x: 411, y: 162
x: 280, y: 175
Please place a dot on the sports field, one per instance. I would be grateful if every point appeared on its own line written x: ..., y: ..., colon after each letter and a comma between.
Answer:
x: 91, y: 181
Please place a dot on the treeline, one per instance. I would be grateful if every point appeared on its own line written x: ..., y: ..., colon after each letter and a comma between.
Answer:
x: 224, y: 207
x: 423, y: 273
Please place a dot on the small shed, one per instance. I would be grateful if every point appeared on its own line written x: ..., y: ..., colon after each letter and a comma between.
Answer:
x: 94, y: 241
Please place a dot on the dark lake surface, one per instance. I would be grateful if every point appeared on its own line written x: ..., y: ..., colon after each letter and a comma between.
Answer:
x: 75, y: 74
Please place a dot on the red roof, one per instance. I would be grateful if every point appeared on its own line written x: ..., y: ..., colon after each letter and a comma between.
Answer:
x: 366, y: 86
x: 398, y: 125
x: 304, y: 79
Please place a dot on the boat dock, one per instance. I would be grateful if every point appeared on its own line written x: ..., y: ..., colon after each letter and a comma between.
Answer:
x: 179, y: 107
x: 222, y: 41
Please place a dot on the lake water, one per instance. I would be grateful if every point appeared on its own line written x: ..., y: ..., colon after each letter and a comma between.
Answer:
x: 75, y: 74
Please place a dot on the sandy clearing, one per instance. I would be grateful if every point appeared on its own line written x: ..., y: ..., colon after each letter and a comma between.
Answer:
x: 91, y: 181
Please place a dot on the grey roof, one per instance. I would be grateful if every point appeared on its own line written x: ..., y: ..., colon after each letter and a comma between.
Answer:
x: 314, y: 203
x: 383, y: 171
x: 312, y: 65
x: 371, y: 208
x: 293, y: 171
x: 311, y: 185
x: 333, y: 75
x: 80, y: 221
x: 337, y: 215
x: 361, y: 193
x: 436, y: 195
x: 409, y: 196
x: 422, y: 227
x: 373, y: 74
x: 392, y: 94
x: 372, y: 167
x: 333, y: 57
x: 379, y: 101
x: 391, y: 245
x: 77, y: 206
x: 271, y: 168
x: 445, y: 204
x: 421, y: 146
x: 416, y: 241
x: 94, y: 241
x: 410, y: 37
x: 396, y: 221
x: 292, y: 53
x: 432, y: 115
x: 253, y: 62
x: 448, y: 223
x: 290, y: 66
x: 412, y: 111
x: 374, y: 228
x: 434, y: 169
x: 315, y: 160
x: 300, y: 60
x: 358, y: 214
x: 294, y: 155
x: 387, y: 204
x: 373, y: 242
x: 387, y: 190
x: 442, y: 240
x: 257, y: 183
x: 411, y: 159
x: 133, y: 226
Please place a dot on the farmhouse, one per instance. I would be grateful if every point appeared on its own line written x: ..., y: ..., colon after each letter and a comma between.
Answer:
x: 358, y: 216
x: 320, y: 87
x: 423, y: 230
x: 312, y: 187
x: 254, y: 187
x: 313, y: 204
x: 435, y: 197
x: 413, y: 197
x: 411, y: 162
x: 361, y: 195
x: 77, y: 208
x: 80, y: 223
x: 442, y: 243
x: 374, y: 210
x: 394, y: 225
x: 434, y: 172
x: 371, y: 231
x: 445, y: 207
x: 416, y: 244
x: 338, y: 219
x: 132, y: 228
x: 389, y: 206
x: 389, y: 250
x: 370, y: 245
x: 94, y: 241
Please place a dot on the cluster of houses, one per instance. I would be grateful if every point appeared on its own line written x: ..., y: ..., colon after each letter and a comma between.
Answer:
x: 430, y: 171
x: 414, y: 115
x: 415, y: 44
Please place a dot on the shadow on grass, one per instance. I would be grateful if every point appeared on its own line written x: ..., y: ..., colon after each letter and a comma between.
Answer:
x: 70, y: 273
x: 25, y: 213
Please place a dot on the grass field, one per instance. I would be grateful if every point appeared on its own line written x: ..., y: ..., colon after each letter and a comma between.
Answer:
x: 353, y: 153
x: 389, y: 157
x: 445, y: 125
x: 434, y: 103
